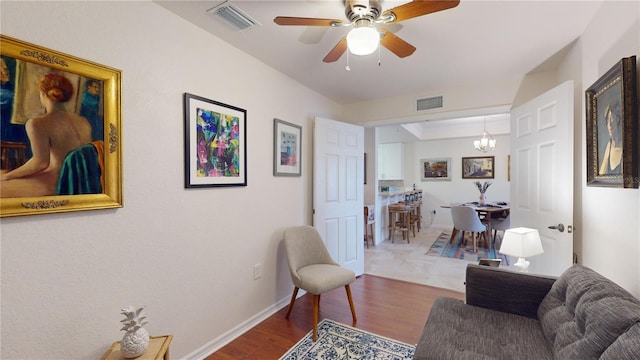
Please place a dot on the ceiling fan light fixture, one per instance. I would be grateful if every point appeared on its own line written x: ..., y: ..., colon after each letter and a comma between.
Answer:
x: 363, y: 40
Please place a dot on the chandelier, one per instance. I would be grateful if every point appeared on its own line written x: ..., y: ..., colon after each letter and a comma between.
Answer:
x: 486, y: 142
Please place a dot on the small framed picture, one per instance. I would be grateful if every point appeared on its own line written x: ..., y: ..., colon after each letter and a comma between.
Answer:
x: 435, y: 169
x: 478, y: 167
x: 215, y: 143
x: 287, y: 149
x: 612, y: 127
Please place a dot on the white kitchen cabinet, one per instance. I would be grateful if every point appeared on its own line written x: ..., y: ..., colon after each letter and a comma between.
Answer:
x: 391, y: 161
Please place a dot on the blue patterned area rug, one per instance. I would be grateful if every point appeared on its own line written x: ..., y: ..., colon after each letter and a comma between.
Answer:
x: 341, y: 342
x: 457, y: 250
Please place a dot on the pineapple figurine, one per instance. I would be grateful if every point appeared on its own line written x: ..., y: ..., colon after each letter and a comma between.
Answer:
x: 136, y: 339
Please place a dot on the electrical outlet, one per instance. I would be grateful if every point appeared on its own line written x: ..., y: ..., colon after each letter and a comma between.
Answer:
x: 257, y: 271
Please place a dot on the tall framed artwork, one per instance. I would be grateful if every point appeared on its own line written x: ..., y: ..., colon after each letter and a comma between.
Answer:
x: 215, y: 143
x: 478, y: 167
x: 287, y: 149
x: 40, y: 87
x: 437, y: 169
x: 612, y: 127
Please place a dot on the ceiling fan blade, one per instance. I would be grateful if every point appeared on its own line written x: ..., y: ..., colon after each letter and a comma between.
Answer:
x: 287, y: 20
x: 395, y: 44
x: 418, y: 8
x: 337, y: 51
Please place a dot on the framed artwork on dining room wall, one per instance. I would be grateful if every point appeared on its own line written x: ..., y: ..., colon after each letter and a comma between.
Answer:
x: 478, y: 167
x: 40, y: 87
x: 613, y: 127
x: 287, y: 148
x: 436, y: 169
x: 215, y: 143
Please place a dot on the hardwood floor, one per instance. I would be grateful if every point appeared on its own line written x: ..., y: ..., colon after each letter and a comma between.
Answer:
x: 391, y: 308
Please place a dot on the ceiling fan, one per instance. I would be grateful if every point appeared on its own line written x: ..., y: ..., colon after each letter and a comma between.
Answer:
x: 364, y: 38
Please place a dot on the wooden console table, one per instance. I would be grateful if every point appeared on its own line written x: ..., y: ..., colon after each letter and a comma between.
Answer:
x: 158, y: 349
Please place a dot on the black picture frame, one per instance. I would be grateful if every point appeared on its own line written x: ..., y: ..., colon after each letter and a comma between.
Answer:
x: 215, y: 143
x: 613, y: 98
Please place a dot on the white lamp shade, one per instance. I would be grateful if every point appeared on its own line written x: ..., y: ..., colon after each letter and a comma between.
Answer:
x: 363, y: 40
x: 521, y: 242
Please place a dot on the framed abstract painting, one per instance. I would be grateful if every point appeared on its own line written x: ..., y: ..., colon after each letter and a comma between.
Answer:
x: 215, y: 143
x: 40, y: 87
x: 287, y: 149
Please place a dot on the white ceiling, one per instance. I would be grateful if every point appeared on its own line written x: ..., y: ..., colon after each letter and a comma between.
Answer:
x: 445, y: 129
x: 474, y: 43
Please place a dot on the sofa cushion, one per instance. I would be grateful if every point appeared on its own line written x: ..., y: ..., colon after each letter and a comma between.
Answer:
x: 584, y: 314
x: 626, y: 347
x: 455, y: 330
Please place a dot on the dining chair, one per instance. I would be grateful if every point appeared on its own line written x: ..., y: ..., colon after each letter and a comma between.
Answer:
x: 466, y: 218
x: 313, y: 269
x: 500, y: 223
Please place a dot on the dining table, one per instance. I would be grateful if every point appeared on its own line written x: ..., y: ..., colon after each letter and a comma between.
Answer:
x: 485, y: 211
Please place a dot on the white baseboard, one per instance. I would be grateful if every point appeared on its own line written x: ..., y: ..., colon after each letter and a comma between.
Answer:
x: 222, y: 340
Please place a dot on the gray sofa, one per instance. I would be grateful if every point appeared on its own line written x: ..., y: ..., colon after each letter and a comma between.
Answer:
x: 509, y: 315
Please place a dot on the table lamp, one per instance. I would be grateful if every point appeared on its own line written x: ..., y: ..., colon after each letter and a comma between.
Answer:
x: 521, y: 242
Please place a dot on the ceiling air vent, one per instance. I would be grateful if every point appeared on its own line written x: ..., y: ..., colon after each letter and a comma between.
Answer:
x: 429, y: 103
x: 234, y: 16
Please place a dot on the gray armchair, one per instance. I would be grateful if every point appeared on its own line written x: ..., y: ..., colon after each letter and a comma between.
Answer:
x: 313, y: 270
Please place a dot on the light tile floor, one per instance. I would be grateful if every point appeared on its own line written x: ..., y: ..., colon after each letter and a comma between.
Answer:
x: 408, y: 261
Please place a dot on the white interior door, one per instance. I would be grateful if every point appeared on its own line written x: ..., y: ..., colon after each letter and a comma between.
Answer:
x: 542, y: 175
x: 338, y: 190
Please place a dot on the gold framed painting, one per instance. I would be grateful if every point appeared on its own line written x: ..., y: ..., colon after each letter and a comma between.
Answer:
x: 612, y: 127
x: 60, y: 140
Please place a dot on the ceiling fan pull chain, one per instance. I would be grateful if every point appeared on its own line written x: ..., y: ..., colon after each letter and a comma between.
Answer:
x: 348, y: 68
x: 379, y: 62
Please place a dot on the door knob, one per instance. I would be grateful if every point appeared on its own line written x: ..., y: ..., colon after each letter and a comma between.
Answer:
x: 558, y: 227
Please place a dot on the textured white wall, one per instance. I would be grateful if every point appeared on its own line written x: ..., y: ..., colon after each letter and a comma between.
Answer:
x: 185, y: 254
x: 609, y: 222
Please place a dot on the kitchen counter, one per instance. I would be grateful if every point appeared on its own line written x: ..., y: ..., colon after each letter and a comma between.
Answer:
x: 392, y: 193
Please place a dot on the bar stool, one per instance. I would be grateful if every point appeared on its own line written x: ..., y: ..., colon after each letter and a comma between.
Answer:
x: 418, y: 214
x: 414, y: 215
x: 369, y: 220
x: 399, y: 220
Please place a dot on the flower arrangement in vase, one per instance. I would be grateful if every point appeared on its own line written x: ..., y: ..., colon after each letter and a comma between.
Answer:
x: 482, y: 187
